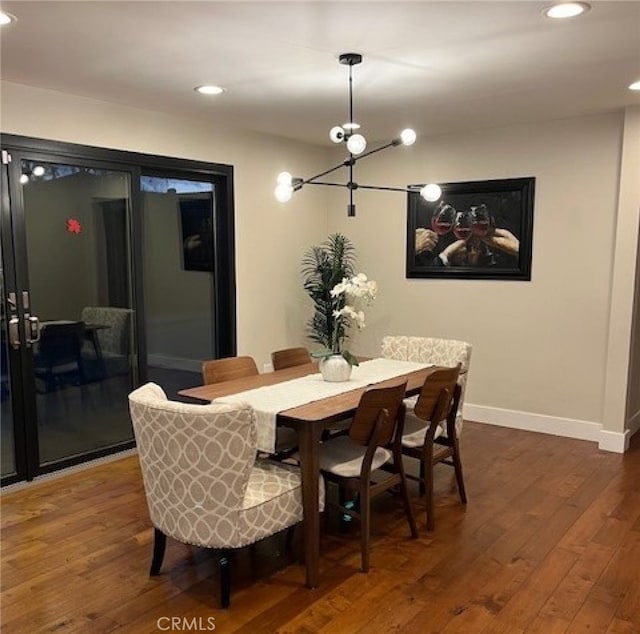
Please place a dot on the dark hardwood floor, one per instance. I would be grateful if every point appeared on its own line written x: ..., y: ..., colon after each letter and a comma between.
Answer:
x: 549, y: 542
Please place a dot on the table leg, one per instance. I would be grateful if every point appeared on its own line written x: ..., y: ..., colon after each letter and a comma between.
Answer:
x: 309, y: 442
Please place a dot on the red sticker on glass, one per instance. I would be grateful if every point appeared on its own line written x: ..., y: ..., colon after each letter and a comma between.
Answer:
x: 73, y: 226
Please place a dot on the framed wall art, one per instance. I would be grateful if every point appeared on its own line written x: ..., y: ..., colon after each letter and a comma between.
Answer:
x: 476, y: 230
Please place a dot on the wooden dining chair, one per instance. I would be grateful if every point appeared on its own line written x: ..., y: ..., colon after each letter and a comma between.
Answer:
x: 354, y: 462
x: 430, y: 434
x: 289, y: 357
x: 230, y: 368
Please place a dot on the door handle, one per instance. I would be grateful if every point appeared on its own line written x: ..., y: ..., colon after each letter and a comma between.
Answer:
x: 32, y: 328
x: 14, y: 333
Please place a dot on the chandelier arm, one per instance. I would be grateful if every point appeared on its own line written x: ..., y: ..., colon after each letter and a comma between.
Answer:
x: 311, y: 180
x: 389, y: 189
x: 328, y: 184
x: 370, y: 152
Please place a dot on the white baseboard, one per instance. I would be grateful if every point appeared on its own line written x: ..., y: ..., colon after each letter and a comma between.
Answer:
x: 568, y: 427
x: 174, y: 363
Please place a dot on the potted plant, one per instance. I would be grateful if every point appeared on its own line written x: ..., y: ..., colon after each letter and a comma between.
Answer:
x: 330, y: 280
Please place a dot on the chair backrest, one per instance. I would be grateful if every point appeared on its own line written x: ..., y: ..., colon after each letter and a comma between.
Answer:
x: 372, y: 402
x: 289, y: 357
x: 195, y: 461
x: 228, y: 369
x: 437, y: 394
x: 60, y: 343
x: 443, y: 352
x: 116, y: 338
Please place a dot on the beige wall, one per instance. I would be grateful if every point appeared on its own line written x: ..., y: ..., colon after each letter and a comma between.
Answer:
x: 539, y: 346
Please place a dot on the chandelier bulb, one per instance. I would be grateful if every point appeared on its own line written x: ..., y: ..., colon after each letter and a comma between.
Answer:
x: 356, y: 144
x: 408, y: 136
x: 284, y: 192
x: 336, y: 134
x: 431, y: 192
x: 284, y: 178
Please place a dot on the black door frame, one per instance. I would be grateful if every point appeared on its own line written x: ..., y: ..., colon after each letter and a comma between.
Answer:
x: 224, y: 297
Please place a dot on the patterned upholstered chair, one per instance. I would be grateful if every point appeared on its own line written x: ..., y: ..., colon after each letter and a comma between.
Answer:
x: 423, y: 437
x: 114, y: 336
x: 202, y: 482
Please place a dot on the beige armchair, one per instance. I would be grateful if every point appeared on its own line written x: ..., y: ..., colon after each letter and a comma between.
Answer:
x: 202, y: 482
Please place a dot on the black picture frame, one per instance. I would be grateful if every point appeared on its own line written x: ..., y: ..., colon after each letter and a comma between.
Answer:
x: 196, y: 224
x: 494, y: 218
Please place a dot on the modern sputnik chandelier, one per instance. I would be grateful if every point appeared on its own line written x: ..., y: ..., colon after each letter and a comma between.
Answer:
x: 356, y: 146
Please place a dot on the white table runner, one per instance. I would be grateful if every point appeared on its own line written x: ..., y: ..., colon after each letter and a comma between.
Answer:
x: 267, y: 401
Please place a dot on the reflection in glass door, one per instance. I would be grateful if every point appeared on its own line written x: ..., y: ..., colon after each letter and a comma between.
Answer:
x: 72, y: 234
x: 179, y: 286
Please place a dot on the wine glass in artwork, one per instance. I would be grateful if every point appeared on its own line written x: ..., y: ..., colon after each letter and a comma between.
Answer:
x: 480, y: 220
x: 462, y: 225
x: 443, y: 219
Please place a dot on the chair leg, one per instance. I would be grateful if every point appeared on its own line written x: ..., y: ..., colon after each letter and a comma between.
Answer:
x: 405, y: 497
x: 457, y: 465
x: 427, y: 461
x: 365, y: 525
x: 225, y: 579
x: 421, y: 487
x: 159, y: 546
x: 289, y: 540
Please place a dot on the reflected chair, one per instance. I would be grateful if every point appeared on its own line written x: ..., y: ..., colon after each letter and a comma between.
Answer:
x: 435, y: 412
x: 231, y: 368
x: 354, y: 462
x: 58, y: 355
x: 202, y: 483
x: 108, y: 338
x: 289, y: 357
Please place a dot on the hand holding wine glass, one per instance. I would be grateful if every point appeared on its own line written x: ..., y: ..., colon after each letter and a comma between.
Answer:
x: 504, y: 240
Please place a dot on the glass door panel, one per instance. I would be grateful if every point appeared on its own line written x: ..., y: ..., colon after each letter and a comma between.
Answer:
x: 178, y: 279
x: 77, y: 249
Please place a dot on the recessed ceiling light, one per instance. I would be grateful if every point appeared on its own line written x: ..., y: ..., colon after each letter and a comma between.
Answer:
x: 566, y: 9
x: 635, y: 85
x: 6, y: 18
x: 209, y: 90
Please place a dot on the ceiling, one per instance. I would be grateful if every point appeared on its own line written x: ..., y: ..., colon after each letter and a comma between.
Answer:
x: 433, y: 66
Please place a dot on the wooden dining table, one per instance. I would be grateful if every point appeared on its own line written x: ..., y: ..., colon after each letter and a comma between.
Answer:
x: 309, y: 421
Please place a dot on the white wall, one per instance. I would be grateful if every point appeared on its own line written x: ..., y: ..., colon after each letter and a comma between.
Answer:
x: 540, y: 347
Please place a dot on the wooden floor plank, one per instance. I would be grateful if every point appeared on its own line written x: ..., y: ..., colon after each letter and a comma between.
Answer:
x: 549, y: 542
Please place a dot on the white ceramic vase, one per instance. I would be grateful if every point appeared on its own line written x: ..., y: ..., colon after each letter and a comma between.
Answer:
x: 335, y: 368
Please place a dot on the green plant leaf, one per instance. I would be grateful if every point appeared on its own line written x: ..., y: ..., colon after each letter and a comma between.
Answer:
x: 349, y: 358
